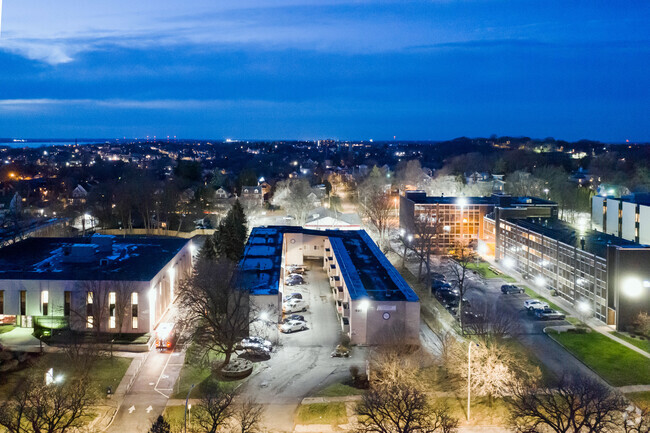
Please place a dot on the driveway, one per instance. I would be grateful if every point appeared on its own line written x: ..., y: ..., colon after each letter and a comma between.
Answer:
x: 529, y: 331
x: 301, y: 363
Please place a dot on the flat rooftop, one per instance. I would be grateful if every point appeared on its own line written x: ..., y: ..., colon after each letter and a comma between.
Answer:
x: 366, y: 271
x: 129, y: 259
x: 420, y: 197
x: 595, y: 242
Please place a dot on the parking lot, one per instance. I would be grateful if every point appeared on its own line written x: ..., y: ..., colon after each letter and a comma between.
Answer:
x: 301, y: 362
x: 529, y: 330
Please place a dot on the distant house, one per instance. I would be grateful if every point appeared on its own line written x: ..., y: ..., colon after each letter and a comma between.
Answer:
x: 252, y: 195
x: 222, y: 194
x: 79, y: 195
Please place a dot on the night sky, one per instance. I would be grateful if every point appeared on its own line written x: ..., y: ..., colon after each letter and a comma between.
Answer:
x: 264, y: 69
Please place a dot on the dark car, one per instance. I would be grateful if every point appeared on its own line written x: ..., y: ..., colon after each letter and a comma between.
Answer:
x: 549, y: 314
x: 294, y: 279
x: 470, y: 316
x: 511, y: 288
x: 293, y: 317
x: 438, y: 276
x: 437, y: 283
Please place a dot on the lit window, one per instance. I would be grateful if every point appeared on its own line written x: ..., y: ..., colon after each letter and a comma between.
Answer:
x: 89, y: 322
x: 45, y: 295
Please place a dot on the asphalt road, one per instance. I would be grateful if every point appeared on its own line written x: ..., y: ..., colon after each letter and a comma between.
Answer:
x: 301, y: 363
x: 487, y: 292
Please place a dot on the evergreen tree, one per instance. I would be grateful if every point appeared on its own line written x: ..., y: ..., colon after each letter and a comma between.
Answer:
x: 160, y: 426
x: 209, y: 249
x: 231, y: 234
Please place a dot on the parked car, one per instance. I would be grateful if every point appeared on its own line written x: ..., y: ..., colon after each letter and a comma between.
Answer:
x: 293, y: 317
x: 549, y: 314
x: 534, y: 304
x: 255, y: 342
x: 292, y: 326
x: 438, y: 276
x: 291, y: 296
x: 471, y: 316
x: 437, y: 283
x: 511, y: 288
x: 257, y: 351
x: 294, y: 279
x: 297, y: 270
x: 294, y: 306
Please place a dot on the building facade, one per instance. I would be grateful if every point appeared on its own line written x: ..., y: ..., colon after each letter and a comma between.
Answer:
x: 585, y: 268
x: 460, y: 219
x: 105, y: 283
x: 627, y: 217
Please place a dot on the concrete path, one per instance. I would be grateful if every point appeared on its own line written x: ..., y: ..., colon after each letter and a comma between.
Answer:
x: 22, y: 340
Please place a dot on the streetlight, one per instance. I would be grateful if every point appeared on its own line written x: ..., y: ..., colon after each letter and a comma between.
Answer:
x: 632, y: 287
x: 469, y: 376
x: 186, y: 401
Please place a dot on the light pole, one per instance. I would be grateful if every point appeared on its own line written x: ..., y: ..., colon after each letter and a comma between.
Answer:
x: 186, y: 400
x: 469, y: 375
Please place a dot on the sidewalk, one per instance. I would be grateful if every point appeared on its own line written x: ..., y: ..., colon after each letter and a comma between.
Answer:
x: 568, y: 307
x: 22, y: 340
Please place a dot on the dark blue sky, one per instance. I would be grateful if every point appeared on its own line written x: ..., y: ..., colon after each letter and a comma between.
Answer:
x: 343, y: 69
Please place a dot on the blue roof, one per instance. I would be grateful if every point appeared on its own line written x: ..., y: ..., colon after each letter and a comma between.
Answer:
x: 365, y: 269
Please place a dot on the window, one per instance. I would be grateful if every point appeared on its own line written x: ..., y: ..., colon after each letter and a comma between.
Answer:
x: 134, y: 310
x: 89, y: 310
x: 111, y: 310
x: 23, y: 302
x: 67, y: 297
x: 45, y: 297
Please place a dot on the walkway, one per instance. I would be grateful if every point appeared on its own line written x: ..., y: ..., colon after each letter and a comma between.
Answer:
x: 22, y: 340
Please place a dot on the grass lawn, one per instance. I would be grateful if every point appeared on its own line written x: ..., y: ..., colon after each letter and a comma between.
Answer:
x: 198, y: 371
x: 641, y: 344
x: 105, y: 372
x: 614, y: 362
x: 534, y: 294
x: 174, y: 415
x: 6, y: 328
x: 642, y: 399
x: 338, y: 390
x: 483, y: 411
x: 484, y: 270
x: 322, y: 413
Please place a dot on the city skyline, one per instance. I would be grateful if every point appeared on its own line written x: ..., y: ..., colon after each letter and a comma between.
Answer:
x: 335, y: 69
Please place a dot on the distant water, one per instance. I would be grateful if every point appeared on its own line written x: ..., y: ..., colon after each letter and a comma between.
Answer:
x: 36, y: 144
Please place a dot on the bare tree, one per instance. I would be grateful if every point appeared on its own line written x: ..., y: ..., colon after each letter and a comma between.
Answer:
x: 635, y: 419
x: 40, y: 408
x: 426, y: 232
x: 215, y: 409
x: 401, y: 408
x: 296, y: 196
x: 488, y: 322
x: 574, y: 405
x: 377, y: 204
x: 493, y: 369
x: 220, y: 310
x: 459, y: 268
x: 396, y: 363
x: 248, y: 416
